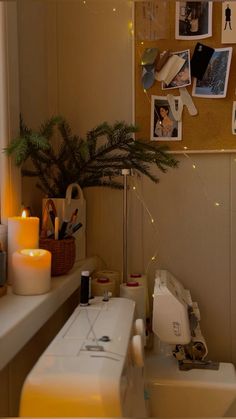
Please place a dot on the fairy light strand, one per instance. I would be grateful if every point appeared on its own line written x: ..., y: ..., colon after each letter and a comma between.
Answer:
x: 138, y: 195
x: 194, y: 167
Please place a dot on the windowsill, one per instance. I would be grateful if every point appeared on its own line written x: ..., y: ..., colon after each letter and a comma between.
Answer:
x: 22, y: 316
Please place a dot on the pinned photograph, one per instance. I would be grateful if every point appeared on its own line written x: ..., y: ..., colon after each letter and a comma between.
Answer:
x: 228, y: 30
x: 163, y: 125
x: 151, y: 20
x: 234, y: 119
x: 193, y: 19
x: 183, y: 77
x: 215, y: 80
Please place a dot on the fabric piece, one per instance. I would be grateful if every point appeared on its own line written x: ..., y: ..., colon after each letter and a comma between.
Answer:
x: 185, y: 99
x: 164, y: 56
x: 170, y: 69
x: 188, y: 101
x: 148, y: 76
x: 177, y: 113
x: 149, y: 56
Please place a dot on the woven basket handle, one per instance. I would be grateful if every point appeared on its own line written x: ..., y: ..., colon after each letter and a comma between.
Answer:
x: 69, y: 192
x: 49, y: 203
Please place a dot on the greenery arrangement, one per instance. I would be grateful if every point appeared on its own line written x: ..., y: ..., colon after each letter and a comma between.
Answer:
x: 94, y: 161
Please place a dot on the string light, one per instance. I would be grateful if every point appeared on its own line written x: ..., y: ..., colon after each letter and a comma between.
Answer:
x: 131, y: 28
x: 194, y: 167
x: 152, y: 221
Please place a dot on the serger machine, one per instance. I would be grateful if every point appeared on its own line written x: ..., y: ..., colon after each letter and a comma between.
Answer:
x: 176, y: 321
x: 93, y: 368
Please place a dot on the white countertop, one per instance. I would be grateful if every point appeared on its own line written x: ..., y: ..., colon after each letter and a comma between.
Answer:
x: 22, y: 316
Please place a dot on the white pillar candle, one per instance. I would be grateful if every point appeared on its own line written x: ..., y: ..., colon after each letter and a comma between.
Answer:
x: 23, y: 233
x: 32, y: 271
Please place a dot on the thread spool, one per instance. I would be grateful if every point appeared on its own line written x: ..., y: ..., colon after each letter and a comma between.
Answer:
x: 136, y: 292
x: 142, y: 279
x: 84, y: 288
x: 113, y: 275
x: 3, y: 237
x: 102, y: 285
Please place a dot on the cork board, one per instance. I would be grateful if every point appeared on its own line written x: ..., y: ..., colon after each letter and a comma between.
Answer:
x: 211, y: 129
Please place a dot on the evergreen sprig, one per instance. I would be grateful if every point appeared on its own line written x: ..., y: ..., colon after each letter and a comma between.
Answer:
x: 94, y: 161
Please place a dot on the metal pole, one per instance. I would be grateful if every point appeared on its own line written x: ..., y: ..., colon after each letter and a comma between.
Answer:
x: 125, y: 173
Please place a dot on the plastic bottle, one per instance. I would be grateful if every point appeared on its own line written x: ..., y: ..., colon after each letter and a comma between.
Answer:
x: 84, y: 288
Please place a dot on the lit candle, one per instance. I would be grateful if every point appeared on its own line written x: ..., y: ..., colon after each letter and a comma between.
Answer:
x: 23, y: 233
x: 32, y: 271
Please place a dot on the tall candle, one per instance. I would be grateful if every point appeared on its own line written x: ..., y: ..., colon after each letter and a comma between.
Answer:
x: 23, y: 233
x: 32, y: 271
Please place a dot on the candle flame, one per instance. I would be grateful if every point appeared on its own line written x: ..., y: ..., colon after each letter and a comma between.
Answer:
x: 24, y: 214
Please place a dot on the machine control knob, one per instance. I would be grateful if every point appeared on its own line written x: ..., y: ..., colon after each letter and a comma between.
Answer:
x: 105, y: 339
x: 139, y: 329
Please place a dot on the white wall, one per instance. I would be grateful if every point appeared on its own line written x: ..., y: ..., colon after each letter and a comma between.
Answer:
x: 89, y: 55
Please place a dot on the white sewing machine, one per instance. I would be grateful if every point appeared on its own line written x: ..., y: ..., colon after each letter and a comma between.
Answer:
x: 176, y: 319
x: 92, y: 367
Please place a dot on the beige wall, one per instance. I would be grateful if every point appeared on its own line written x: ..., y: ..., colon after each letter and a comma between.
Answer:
x: 86, y: 57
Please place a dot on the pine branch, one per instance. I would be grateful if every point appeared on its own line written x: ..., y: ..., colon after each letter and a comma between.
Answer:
x: 95, y: 161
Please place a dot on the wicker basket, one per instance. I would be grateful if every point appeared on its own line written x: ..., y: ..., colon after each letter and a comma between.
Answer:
x: 63, y: 254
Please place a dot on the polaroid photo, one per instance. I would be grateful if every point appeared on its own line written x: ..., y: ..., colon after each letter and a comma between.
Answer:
x: 193, y: 20
x: 215, y: 80
x: 183, y: 78
x: 228, y: 28
x: 234, y: 119
x: 163, y: 125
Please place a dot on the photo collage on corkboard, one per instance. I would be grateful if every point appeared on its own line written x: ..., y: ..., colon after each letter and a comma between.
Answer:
x: 185, y: 74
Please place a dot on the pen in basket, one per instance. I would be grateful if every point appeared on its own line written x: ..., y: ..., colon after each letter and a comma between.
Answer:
x: 76, y: 227
x: 74, y: 216
x: 56, y: 228
x: 72, y: 223
x: 72, y: 229
x: 62, y: 231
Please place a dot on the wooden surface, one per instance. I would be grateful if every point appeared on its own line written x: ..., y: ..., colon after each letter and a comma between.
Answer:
x: 211, y: 129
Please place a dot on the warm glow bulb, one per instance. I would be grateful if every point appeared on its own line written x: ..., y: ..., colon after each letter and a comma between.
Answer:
x: 154, y: 258
x: 194, y: 166
x: 145, y: 91
x: 152, y: 220
x: 142, y: 43
x: 114, y: 9
x: 185, y: 148
x: 134, y: 188
x: 217, y: 204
